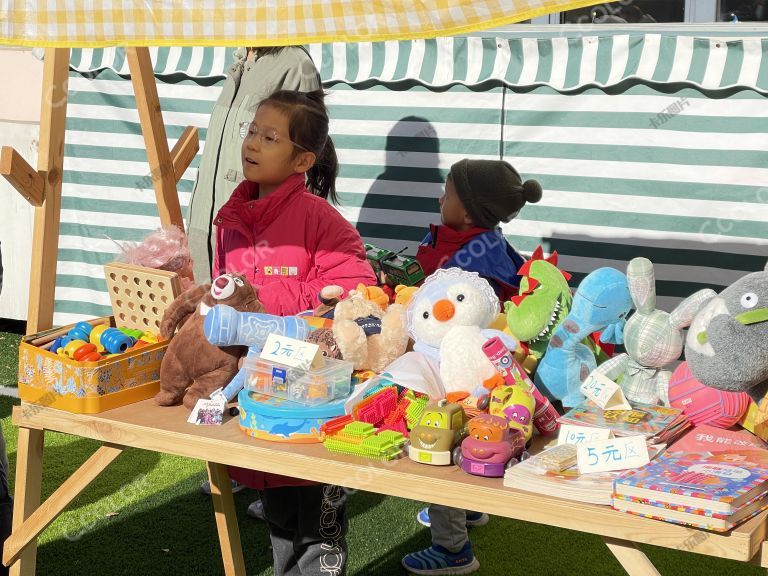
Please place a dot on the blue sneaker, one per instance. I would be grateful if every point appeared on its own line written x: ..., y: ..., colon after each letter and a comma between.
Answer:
x: 437, y: 560
x: 473, y: 518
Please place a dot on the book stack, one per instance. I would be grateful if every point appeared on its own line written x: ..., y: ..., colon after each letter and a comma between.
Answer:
x: 659, y: 425
x: 537, y: 475
x: 714, y: 490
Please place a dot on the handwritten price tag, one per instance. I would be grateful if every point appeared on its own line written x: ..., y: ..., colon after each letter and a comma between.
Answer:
x: 604, y: 392
x: 570, y: 434
x: 292, y: 352
x: 612, y: 454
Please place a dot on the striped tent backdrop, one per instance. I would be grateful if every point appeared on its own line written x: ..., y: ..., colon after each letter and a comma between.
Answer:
x: 645, y: 145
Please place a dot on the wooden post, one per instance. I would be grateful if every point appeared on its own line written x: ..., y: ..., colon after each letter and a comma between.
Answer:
x: 184, y: 151
x: 160, y: 163
x: 45, y: 239
x: 25, y: 535
x: 631, y: 558
x: 22, y: 176
x: 226, y: 520
x: 29, y: 476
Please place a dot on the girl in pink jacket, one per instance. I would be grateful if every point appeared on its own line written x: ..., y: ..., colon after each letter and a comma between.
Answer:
x: 280, y: 232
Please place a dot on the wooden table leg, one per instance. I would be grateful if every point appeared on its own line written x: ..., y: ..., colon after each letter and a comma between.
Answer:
x: 29, y: 476
x: 47, y: 512
x: 631, y: 558
x: 226, y: 520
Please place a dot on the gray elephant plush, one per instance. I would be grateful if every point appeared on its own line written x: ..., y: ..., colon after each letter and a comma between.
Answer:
x: 727, y: 344
x: 653, y: 338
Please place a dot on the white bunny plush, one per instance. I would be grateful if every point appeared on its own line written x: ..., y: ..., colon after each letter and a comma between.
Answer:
x: 653, y: 338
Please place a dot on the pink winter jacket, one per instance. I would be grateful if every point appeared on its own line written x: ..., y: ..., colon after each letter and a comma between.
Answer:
x: 289, y: 245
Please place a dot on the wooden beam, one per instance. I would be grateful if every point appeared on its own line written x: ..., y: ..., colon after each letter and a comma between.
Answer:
x: 39, y: 520
x: 50, y: 165
x: 226, y: 520
x: 184, y: 151
x: 22, y: 176
x: 632, y: 559
x: 152, y: 126
x: 29, y: 476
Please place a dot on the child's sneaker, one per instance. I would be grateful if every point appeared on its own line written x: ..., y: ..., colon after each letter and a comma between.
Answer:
x: 473, y: 518
x: 437, y: 560
x: 205, y: 487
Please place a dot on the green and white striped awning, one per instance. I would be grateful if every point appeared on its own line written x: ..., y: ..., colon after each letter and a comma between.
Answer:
x: 675, y: 173
x: 562, y: 63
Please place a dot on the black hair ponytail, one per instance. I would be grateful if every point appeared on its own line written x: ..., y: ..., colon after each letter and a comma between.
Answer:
x: 321, y: 178
x: 308, y: 128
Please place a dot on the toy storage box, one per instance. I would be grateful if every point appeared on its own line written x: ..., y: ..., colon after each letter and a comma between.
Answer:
x: 87, y: 387
x: 139, y: 298
x: 308, y: 387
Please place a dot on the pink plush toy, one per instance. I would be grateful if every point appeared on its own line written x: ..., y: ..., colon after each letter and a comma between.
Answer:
x: 705, y: 405
x: 164, y: 249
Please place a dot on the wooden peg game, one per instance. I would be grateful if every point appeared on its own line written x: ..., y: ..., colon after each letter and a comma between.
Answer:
x: 140, y: 295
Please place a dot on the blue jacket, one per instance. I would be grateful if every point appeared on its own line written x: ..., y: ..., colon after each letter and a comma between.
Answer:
x: 490, y: 255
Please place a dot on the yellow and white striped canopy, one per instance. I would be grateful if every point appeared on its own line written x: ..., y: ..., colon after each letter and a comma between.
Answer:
x: 85, y: 23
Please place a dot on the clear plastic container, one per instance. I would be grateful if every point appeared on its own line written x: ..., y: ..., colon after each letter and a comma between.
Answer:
x: 307, y: 387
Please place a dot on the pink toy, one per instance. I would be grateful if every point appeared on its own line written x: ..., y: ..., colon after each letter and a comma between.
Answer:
x: 705, y: 405
x: 491, y: 447
x: 164, y: 249
x: 545, y: 416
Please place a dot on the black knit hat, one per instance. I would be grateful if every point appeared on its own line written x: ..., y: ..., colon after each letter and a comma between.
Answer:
x: 492, y: 190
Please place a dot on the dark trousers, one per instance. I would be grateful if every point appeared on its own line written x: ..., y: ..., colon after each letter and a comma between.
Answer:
x: 308, y: 529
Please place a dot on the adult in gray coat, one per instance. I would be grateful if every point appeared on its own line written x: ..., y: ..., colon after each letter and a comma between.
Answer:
x: 254, y: 75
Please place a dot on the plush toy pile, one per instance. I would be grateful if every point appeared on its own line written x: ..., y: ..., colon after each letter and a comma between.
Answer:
x: 432, y: 339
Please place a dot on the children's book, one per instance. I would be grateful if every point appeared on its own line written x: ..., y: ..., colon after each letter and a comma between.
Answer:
x: 706, y: 438
x: 657, y: 423
x: 718, y: 482
x: 697, y: 517
x: 533, y: 475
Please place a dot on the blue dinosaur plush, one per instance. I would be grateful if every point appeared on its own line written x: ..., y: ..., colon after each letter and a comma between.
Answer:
x: 727, y: 343
x: 225, y: 326
x: 601, y: 303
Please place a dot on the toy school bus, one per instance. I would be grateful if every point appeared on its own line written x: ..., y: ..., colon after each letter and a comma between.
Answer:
x: 399, y: 269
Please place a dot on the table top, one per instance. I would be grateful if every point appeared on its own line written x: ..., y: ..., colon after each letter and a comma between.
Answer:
x: 165, y: 429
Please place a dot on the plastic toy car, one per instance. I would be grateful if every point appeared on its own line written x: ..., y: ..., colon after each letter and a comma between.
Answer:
x: 399, y: 269
x: 441, y: 428
x: 491, y: 447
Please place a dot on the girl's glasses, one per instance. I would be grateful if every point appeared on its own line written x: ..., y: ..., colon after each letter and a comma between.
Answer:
x: 267, y: 138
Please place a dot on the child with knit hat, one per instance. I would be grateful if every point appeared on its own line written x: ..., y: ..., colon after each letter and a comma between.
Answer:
x: 479, y: 194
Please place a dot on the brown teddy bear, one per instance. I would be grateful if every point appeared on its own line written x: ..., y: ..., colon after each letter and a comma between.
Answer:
x: 367, y: 336
x: 192, y: 368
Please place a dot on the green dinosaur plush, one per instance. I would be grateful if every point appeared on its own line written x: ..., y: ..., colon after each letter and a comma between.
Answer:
x: 543, y: 303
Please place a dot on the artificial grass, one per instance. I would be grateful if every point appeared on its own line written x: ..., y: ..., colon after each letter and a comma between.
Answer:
x: 164, y: 525
x: 9, y: 358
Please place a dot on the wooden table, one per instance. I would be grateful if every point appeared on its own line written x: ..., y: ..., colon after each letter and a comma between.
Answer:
x: 144, y: 425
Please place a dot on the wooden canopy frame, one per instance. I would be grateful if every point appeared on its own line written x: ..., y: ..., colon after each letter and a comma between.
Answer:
x: 42, y: 187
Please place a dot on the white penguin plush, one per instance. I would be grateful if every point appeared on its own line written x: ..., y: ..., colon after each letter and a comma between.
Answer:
x: 448, y: 319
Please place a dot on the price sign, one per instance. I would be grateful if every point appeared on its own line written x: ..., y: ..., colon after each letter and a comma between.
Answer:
x: 570, y: 434
x: 604, y: 392
x: 612, y: 454
x: 292, y: 352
